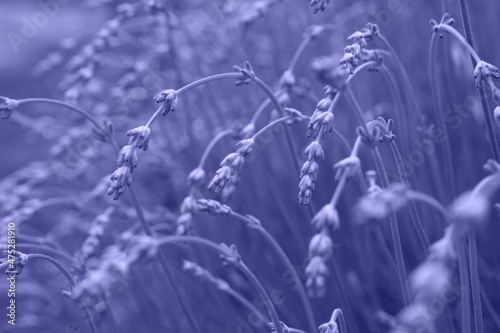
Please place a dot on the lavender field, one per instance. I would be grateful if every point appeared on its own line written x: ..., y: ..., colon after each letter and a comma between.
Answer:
x: 244, y: 166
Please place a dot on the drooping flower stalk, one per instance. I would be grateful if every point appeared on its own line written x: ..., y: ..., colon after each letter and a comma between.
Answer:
x: 215, y: 208
x: 230, y: 256
x: 222, y: 285
x: 482, y: 71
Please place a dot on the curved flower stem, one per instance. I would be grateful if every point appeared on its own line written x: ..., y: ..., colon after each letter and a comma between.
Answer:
x: 263, y: 294
x: 452, y: 31
x: 337, y: 314
x: 289, y: 266
x: 298, y: 53
x: 39, y: 247
x: 208, y: 79
x: 240, y: 265
x: 279, y: 108
x: 406, y: 80
x: 394, y: 231
x: 427, y: 199
x: 66, y: 105
x: 211, y: 145
x: 88, y: 315
x: 274, y: 123
x: 469, y: 45
x: 464, y: 288
x: 189, y: 86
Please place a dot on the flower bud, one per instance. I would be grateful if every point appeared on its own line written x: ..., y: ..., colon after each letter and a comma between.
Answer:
x: 7, y: 106
x: 314, y: 151
x: 128, y: 157
x: 196, y: 177
x: 139, y: 137
x: 120, y: 179
x: 169, y: 98
x: 326, y: 218
x: 245, y: 147
x: 316, y: 272
x: 321, y: 245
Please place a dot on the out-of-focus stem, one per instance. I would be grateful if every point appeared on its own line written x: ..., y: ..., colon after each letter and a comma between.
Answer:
x: 66, y: 105
x: 394, y: 231
x: 475, y: 284
x: 464, y: 288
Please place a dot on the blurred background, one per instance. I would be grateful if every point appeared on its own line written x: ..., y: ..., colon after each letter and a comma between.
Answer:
x: 110, y: 58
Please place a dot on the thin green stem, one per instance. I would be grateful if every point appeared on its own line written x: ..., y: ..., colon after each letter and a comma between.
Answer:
x: 263, y: 294
x: 427, y: 199
x: 208, y: 79
x: 298, y: 53
x: 274, y: 123
x: 66, y: 105
x: 289, y: 266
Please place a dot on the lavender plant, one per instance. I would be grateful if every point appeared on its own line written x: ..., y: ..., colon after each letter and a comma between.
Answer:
x: 398, y: 172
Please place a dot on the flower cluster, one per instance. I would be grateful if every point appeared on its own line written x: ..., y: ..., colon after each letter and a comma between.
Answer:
x: 128, y: 159
x: 184, y: 222
x: 320, y: 250
x: 319, y: 5
x: 212, y: 207
x: 115, y: 264
x: 168, y: 99
x: 200, y: 272
x: 83, y: 66
x: 231, y: 165
x: 378, y: 203
x: 91, y: 245
x: 7, y: 106
x: 321, y: 119
x: 309, y: 172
